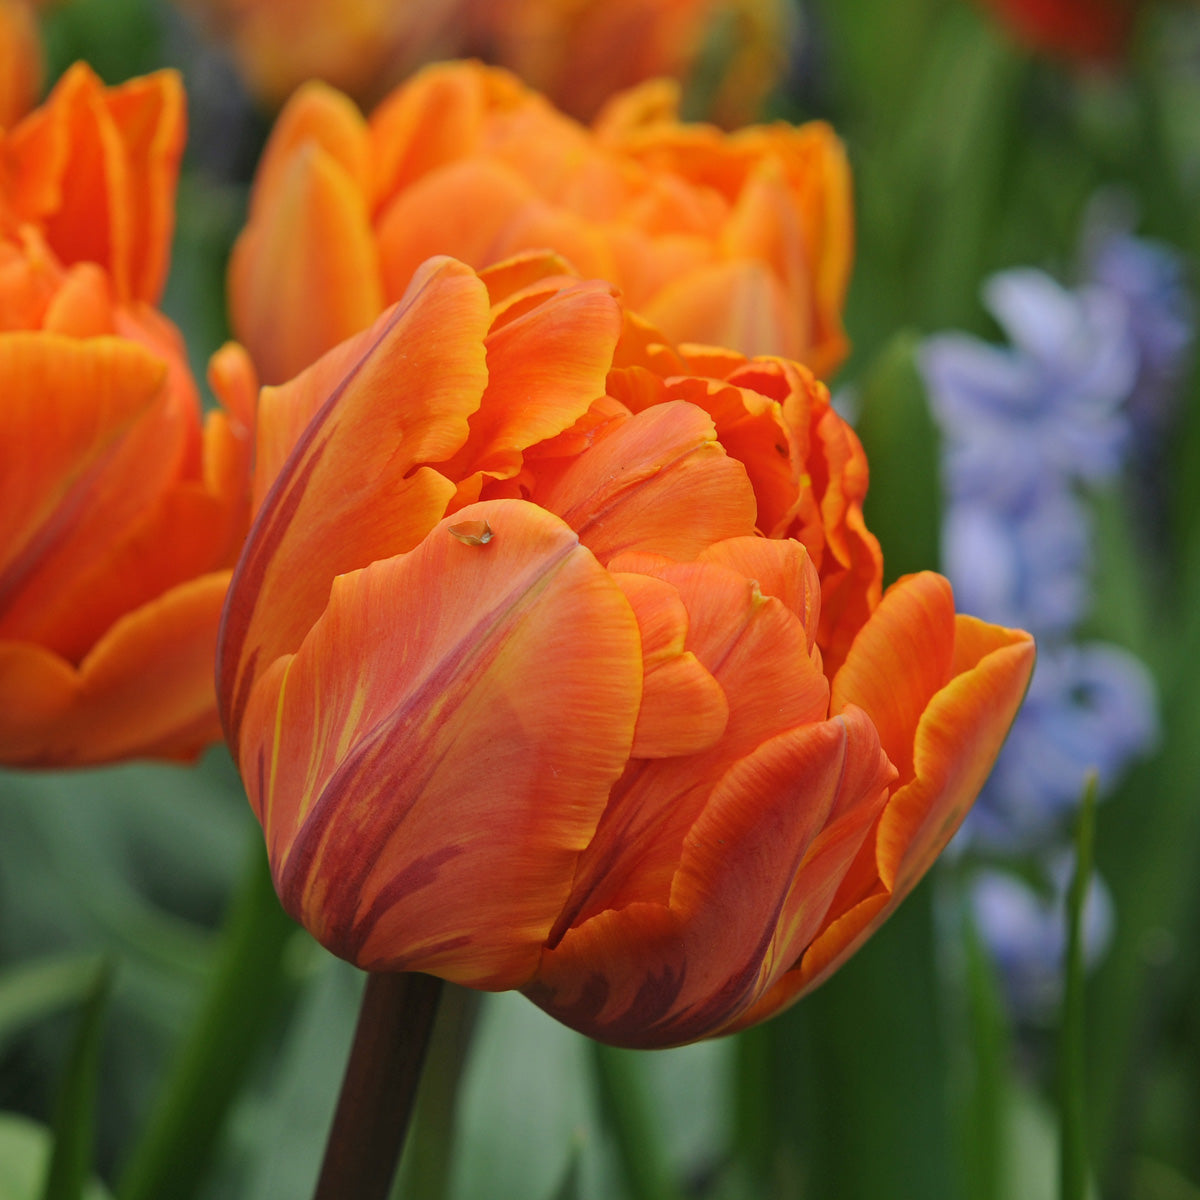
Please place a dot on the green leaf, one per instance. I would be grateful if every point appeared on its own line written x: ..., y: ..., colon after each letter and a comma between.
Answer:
x: 71, y: 1157
x: 632, y: 1121
x: 903, y: 505
x: 36, y: 989
x: 240, y: 1007
x: 1073, y: 1065
x: 25, y: 1148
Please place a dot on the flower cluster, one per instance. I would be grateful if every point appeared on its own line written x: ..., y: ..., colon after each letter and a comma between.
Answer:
x: 577, y: 52
x: 1026, y: 428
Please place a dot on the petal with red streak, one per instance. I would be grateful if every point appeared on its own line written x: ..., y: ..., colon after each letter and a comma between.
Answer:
x: 352, y: 489
x: 439, y: 750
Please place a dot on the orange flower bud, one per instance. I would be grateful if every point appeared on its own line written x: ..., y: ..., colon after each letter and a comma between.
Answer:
x: 555, y: 660
x: 121, y: 511
x: 731, y: 239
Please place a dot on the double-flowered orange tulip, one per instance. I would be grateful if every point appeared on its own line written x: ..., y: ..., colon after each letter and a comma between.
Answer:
x: 556, y: 660
x: 121, y: 512
x: 741, y: 240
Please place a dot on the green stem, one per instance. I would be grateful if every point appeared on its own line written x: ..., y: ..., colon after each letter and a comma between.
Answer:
x: 629, y: 1116
x: 241, y: 1005
x: 1074, y: 1159
x: 380, y: 1086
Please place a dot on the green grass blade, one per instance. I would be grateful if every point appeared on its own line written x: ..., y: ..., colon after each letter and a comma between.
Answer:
x: 71, y: 1159
x: 241, y: 1006
x: 1073, y: 1160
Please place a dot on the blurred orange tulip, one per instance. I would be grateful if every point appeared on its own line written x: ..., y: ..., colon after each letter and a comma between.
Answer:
x: 1084, y: 29
x: 20, y: 60
x: 120, y: 513
x: 556, y: 661
x: 741, y: 240
x: 579, y: 52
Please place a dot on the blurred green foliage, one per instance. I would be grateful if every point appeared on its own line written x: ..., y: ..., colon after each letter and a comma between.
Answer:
x: 901, y: 1076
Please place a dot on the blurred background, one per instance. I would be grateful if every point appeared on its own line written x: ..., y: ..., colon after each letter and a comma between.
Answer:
x: 1022, y: 321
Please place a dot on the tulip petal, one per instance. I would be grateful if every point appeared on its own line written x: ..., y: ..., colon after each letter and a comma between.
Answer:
x: 307, y: 277
x: 353, y: 489
x: 95, y: 390
x: 422, y: 807
x: 684, y: 709
x: 441, y: 214
x: 734, y: 303
x: 545, y: 369
x: 757, y: 651
x: 657, y: 483
x: 899, y: 661
x: 781, y: 568
x: 144, y: 690
x: 637, y: 978
x: 957, y: 740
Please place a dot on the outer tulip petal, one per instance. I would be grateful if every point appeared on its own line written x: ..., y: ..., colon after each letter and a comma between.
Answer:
x: 610, y: 980
x: 957, y: 740
x: 316, y: 522
x: 315, y: 115
x: 441, y: 214
x: 471, y: 653
x: 738, y: 303
x: 309, y: 278
x: 145, y: 689
x: 96, y: 391
x: 899, y: 660
x: 658, y: 483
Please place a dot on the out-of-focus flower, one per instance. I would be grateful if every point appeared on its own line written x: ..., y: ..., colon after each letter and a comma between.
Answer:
x: 121, y: 513
x: 1095, y: 30
x: 582, y: 52
x: 362, y: 47
x: 741, y: 240
x: 1051, y: 407
x: 556, y: 661
x: 1024, y: 428
x: 1026, y: 566
x: 1027, y: 931
x: 1151, y: 280
x: 579, y: 52
x: 20, y: 60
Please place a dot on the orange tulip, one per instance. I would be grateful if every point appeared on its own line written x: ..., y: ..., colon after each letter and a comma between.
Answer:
x: 582, y: 52
x: 741, y: 240
x: 20, y: 60
x: 121, y: 513
x: 579, y: 52
x: 555, y: 660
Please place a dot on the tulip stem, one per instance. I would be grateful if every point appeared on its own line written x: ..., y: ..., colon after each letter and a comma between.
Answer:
x: 379, y: 1087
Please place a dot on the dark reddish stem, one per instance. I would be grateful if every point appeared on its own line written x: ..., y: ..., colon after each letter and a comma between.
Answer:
x: 380, y: 1087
